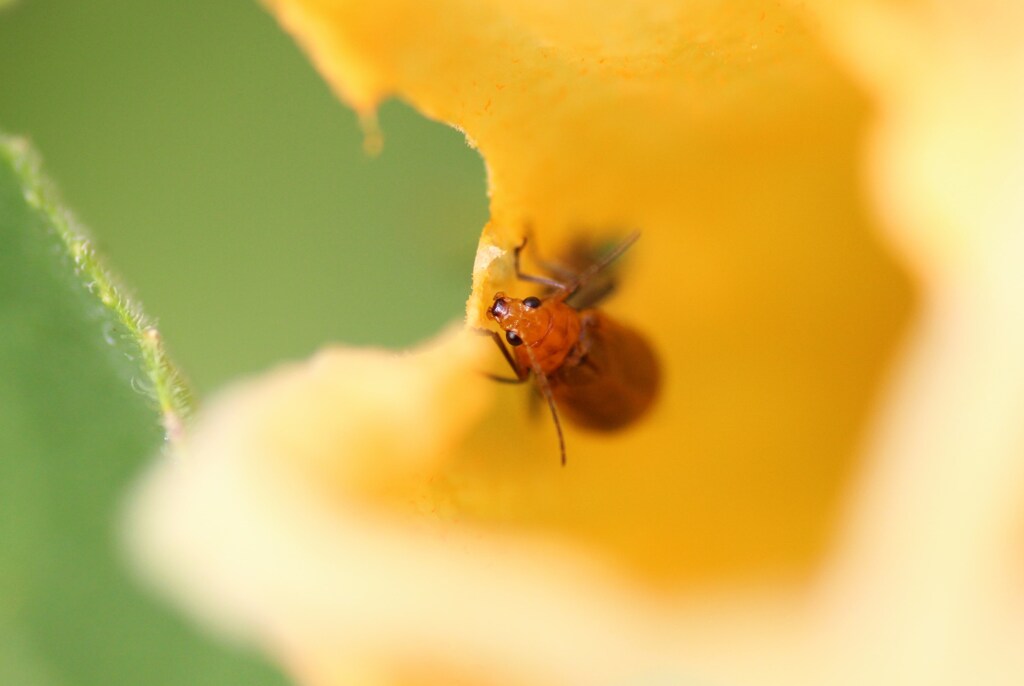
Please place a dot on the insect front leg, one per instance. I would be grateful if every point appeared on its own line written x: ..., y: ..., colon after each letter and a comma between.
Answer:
x: 559, y: 271
x: 521, y: 374
x: 544, y: 281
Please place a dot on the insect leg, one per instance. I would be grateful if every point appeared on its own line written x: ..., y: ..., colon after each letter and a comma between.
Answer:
x: 545, y: 389
x: 587, y: 295
x: 544, y: 281
x: 521, y: 375
x: 556, y: 269
x: 597, y: 267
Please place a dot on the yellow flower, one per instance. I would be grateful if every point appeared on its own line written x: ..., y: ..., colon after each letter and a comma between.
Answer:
x: 805, y: 504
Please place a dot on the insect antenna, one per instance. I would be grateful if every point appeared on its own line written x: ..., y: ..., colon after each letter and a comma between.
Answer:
x: 545, y: 389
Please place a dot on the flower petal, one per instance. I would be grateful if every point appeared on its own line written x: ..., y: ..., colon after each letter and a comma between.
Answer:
x: 725, y: 134
x: 730, y: 137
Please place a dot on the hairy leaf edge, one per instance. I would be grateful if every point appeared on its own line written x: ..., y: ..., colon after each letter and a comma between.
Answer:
x: 166, y: 384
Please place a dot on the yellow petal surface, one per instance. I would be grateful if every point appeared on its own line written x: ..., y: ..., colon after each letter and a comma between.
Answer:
x: 825, y: 490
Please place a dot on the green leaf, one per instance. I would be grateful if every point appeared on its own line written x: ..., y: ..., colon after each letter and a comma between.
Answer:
x: 84, y: 388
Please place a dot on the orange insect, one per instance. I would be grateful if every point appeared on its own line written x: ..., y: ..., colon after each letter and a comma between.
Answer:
x: 600, y: 374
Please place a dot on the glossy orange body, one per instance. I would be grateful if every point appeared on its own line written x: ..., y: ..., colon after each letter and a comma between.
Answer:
x: 602, y: 375
x: 548, y: 332
x: 610, y: 379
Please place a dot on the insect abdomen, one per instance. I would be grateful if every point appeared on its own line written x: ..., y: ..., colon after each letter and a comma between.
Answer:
x: 616, y: 381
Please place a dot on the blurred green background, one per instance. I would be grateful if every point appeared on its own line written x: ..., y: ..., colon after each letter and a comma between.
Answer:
x: 229, y: 187
x: 230, y: 191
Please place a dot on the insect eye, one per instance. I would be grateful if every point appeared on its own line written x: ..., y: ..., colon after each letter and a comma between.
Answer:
x: 532, y: 302
x: 513, y: 338
x: 499, y: 309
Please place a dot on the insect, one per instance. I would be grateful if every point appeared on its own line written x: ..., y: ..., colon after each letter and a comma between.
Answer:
x: 600, y: 374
